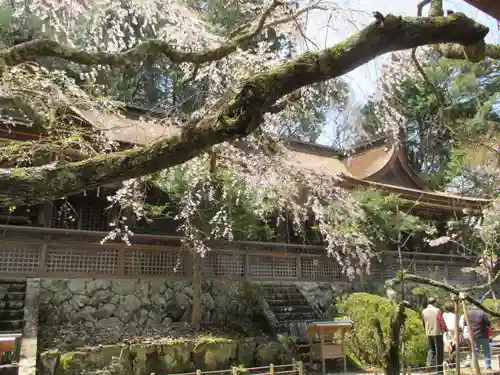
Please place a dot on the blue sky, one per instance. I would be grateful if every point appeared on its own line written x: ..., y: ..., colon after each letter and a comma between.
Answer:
x: 358, y: 13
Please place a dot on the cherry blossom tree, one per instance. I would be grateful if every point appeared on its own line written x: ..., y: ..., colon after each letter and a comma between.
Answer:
x: 247, y: 89
x: 244, y: 95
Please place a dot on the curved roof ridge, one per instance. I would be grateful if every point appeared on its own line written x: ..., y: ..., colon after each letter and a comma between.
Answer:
x: 371, y: 161
x: 367, y: 145
x: 410, y: 171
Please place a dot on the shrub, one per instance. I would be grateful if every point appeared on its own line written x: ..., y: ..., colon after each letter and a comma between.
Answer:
x: 362, y: 308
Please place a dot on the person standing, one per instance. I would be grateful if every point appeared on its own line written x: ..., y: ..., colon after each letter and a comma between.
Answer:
x: 435, y: 327
x: 479, y: 325
x: 450, y: 344
x: 465, y: 332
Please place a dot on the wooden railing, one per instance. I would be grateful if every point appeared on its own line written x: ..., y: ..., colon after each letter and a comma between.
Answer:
x: 58, y: 253
x: 294, y: 368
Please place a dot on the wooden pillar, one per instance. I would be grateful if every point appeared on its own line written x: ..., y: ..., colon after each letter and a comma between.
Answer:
x: 246, y: 269
x: 299, y: 266
x: 45, y: 215
x: 310, y: 339
x: 343, y: 350
x: 457, y: 335
x: 475, y: 363
x: 323, y: 364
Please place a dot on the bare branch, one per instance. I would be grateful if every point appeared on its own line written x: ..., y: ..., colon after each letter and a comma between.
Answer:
x: 448, y: 288
x: 239, y: 116
x: 284, y: 103
x: 483, y: 286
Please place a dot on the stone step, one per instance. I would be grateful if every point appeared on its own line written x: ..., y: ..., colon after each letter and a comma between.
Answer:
x: 295, y: 316
x: 21, y: 282
x: 281, y: 289
x: 11, y: 288
x: 290, y: 309
x: 286, y: 296
x: 286, y: 302
x: 11, y: 315
x: 12, y: 296
x: 11, y: 325
x: 15, y: 305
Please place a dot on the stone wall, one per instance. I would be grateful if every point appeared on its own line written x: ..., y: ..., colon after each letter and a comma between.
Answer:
x: 169, y: 356
x: 81, y: 312
x: 320, y: 295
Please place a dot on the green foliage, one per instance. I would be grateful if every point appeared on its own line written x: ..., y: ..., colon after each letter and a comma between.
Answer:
x: 420, y: 295
x: 493, y: 304
x: 362, y: 308
x: 231, y: 194
x: 438, y: 131
x: 386, y: 221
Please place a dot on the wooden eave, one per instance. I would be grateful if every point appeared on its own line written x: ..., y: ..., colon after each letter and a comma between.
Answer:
x: 373, y: 161
x: 490, y: 7
x: 425, y: 200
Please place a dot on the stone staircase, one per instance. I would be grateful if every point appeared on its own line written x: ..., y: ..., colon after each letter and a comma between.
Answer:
x: 292, y: 311
x: 12, y: 294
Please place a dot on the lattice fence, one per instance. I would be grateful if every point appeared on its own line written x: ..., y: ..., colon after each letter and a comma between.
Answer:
x: 19, y: 258
x: 153, y: 263
x: 224, y: 265
x: 90, y: 259
x: 314, y: 268
x: 68, y: 260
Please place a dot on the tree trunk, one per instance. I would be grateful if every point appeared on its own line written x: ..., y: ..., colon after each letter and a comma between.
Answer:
x: 389, y: 354
x: 492, y: 288
x: 392, y: 358
x: 197, y: 284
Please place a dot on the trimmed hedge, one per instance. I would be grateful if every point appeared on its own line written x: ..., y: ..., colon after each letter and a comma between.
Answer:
x: 362, y: 308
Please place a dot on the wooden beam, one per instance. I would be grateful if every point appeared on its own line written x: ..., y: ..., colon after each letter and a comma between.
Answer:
x: 490, y: 7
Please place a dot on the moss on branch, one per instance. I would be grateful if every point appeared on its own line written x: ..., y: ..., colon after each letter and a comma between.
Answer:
x: 29, y: 51
x: 241, y: 114
x: 474, y: 53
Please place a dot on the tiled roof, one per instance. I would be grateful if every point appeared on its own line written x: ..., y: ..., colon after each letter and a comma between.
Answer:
x: 369, y: 161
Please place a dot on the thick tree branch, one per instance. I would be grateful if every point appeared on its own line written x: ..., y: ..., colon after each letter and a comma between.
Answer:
x: 473, y: 52
x: 29, y: 51
x: 240, y: 116
x: 448, y: 288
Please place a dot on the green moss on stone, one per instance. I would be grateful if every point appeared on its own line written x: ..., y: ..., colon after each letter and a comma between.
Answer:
x: 72, y: 364
x: 212, y: 339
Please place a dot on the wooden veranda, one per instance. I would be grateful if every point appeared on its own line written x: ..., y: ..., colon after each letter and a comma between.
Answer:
x: 60, y: 253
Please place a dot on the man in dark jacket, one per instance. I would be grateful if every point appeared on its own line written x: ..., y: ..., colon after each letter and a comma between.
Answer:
x: 479, y: 324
